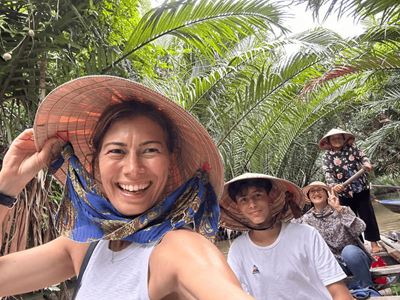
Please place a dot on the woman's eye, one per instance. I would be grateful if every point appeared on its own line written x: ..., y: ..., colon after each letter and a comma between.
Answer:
x: 151, y: 150
x: 116, y: 151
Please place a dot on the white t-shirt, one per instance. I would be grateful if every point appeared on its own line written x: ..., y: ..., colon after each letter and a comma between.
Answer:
x: 297, y: 266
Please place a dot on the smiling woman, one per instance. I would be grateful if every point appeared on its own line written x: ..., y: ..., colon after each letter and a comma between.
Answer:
x: 142, y: 177
x: 341, y: 229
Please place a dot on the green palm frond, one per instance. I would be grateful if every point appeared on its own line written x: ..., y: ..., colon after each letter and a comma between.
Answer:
x: 207, y: 26
x: 265, y: 86
x: 381, y: 58
x: 387, y: 33
x: 388, y: 9
x: 239, y: 67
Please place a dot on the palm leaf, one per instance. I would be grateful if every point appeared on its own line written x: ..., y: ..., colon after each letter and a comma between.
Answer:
x: 206, y: 25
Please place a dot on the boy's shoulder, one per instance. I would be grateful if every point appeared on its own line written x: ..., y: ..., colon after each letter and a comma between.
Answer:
x: 241, y: 239
x: 300, y: 227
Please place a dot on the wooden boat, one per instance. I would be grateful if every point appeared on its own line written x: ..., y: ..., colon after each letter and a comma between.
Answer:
x: 392, y: 204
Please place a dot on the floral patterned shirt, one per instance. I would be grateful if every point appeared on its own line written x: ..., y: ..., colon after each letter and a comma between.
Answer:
x: 341, y: 165
x: 338, y: 229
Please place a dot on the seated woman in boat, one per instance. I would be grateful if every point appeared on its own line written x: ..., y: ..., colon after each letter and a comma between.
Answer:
x: 142, y: 177
x: 340, y: 228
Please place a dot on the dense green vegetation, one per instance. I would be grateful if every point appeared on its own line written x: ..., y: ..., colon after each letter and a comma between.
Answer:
x: 265, y: 95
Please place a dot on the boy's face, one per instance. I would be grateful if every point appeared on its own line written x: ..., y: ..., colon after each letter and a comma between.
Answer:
x: 253, y: 203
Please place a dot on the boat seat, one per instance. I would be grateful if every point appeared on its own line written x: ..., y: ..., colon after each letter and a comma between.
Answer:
x: 385, y: 270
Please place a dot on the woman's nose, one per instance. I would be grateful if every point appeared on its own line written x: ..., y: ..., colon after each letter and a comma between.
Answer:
x: 133, y: 165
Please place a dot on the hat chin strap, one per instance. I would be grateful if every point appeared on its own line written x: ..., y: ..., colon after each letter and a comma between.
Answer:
x: 264, y: 226
x: 260, y: 227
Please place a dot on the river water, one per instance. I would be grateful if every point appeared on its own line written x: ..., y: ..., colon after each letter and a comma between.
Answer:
x: 387, y: 221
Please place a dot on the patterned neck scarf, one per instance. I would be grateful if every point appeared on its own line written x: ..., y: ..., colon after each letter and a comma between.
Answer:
x: 327, y: 211
x: 85, y: 215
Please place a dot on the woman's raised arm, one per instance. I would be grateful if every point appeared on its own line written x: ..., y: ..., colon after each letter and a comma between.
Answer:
x: 43, y: 265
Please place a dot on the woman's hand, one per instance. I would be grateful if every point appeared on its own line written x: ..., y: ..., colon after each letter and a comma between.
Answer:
x: 334, y: 202
x: 338, y: 188
x: 367, y: 166
x: 22, y: 162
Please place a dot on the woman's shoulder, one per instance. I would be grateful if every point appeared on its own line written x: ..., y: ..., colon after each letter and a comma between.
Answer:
x: 66, y: 244
x: 181, y: 250
x: 182, y: 239
x: 189, y: 246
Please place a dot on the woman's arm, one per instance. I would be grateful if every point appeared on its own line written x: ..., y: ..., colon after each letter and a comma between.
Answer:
x: 328, y: 171
x: 41, y: 266
x: 47, y: 264
x: 187, y: 264
x: 362, y: 158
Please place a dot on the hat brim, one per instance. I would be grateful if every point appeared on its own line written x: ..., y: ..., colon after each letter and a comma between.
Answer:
x: 324, y: 141
x: 232, y: 218
x: 73, y: 109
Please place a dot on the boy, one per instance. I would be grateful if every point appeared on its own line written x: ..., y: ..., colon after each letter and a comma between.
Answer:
x: 276, y: 259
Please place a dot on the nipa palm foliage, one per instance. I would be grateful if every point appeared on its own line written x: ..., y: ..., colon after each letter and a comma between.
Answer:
x: 267, y: 106
x: 255, y: 107
x: 206, y: 26
x: 372, y: 60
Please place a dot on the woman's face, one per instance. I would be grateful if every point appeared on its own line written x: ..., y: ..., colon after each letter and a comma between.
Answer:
x: 134, y: 164
x: 336, y: 141
x: 318, y: 196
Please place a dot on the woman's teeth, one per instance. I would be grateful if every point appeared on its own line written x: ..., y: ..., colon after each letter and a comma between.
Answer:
x: 135, y: 187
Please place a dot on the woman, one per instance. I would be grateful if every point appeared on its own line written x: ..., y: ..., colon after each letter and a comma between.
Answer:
x: 141, y: 175
x: 340, y: 229
x: 343, y: 159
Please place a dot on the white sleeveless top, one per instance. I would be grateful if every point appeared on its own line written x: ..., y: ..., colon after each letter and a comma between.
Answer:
x: 116, y: 275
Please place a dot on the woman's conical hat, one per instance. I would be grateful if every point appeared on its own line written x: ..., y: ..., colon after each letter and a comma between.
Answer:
x: 324, y: 142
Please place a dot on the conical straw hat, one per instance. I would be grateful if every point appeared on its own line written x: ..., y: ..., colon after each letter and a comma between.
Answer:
x: 73, y: 109
x: 324, y: 142
x: 320, y: 184
x: 282, y: 191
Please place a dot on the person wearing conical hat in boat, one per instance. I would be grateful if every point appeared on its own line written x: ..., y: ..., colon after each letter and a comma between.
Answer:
x: 340, y: 228
x: 142, y: 177
x: 341, y: 160
x: 273, y: 258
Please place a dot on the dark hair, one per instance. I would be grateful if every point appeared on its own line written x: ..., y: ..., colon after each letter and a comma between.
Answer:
x: 241, y: 186
x: 131, y: 109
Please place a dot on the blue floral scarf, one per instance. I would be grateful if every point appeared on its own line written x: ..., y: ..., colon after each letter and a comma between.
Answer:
x: 85, y: 215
